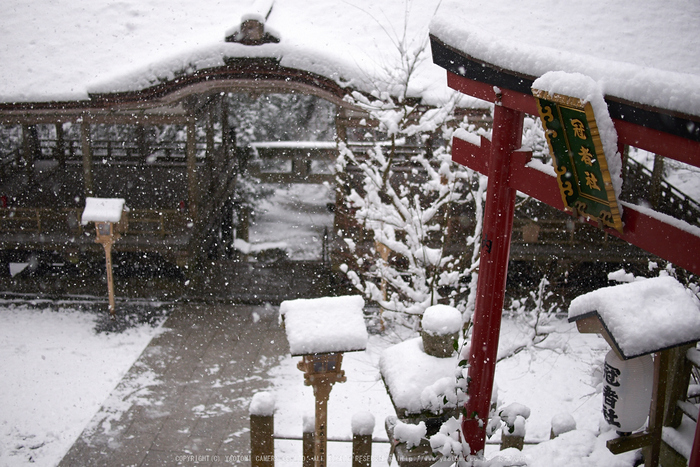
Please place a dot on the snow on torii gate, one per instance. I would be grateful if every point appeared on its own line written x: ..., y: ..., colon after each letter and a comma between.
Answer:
x: 506, y: 166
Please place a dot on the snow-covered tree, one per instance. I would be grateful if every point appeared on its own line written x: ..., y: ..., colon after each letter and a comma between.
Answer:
x: 405, y: 191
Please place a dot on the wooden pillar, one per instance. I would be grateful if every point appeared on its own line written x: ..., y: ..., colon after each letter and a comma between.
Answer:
x: 341, y: 130
x: 60, y: 145
x: 30, y: 147
x: 694, y: 460
x: 107, y: 244
x: 243, y: 227
x: 301, y: 166
x: 652, y: 452
x: 493, y: 268
x: 678, y: 380
x: 362, y: 424
x: 361, y: 450
x: 85, y: 140
x: 512, y: 441
x: 262, y: 430
x: 383, y: 251
x: 226, y: 142
x: 141, y: 143
x: 657, y: 176
x: 191, y: 168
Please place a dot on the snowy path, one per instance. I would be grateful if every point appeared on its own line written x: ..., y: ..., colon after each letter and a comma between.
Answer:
x: 188, y: 394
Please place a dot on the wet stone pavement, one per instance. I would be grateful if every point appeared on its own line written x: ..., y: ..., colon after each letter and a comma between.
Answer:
x: 185, y: 400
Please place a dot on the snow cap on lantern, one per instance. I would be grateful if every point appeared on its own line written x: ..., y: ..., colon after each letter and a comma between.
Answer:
x: 324, y: 325
x: 102, y: 210
x: 639, y: 317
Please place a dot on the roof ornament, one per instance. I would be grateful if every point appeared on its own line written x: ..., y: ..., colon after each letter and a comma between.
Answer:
x: 252, y: 30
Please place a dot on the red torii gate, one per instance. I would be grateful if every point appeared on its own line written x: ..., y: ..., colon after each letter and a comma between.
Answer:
x: 661, y: 132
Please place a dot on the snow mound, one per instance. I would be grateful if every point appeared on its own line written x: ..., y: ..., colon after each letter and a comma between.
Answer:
x: 362, y: 423
x: 410, y: 434
x: 412, y: 376
x: 263, y: 404
x: 441, y: 319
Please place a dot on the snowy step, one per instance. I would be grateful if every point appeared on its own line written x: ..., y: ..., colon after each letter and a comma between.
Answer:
x: 690, y: 409
x: 694, y: 356
x: 693, y: 391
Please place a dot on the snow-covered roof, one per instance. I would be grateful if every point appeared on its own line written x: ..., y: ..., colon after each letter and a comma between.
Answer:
x: 62, y: 51
x: 647, y: 53
x: 324, y: 325
x: 643, y: 316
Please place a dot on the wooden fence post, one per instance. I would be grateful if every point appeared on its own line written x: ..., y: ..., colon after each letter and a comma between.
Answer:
x: 362, y: 428
x: 512, y: 441
x: 262, y: 430
x: 513, y: 434
x: 308, y: 441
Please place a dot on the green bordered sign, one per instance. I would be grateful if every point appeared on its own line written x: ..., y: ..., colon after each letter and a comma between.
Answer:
x: 579, y: 161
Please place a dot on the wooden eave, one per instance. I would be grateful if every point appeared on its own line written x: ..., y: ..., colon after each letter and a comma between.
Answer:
x: 163, y: 100
x: 592, y: 323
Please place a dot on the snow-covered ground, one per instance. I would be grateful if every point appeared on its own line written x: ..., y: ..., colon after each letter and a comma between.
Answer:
x: 57, y: 372
x: 563, y: 375
x: 302, y: 210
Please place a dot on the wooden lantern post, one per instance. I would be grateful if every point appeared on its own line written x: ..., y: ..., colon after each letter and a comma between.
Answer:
x: 321, y: 372
x: 320, y: 330
x: 106, y: 236
x: 105, y: 213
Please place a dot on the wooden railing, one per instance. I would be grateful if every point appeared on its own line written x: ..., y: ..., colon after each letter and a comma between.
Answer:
x: 67, y: 221
x: 119, y: 151
x: 669, y: 200
x: 40, y: 220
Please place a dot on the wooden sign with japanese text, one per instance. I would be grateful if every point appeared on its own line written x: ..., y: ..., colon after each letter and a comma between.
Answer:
x: 579, y: 161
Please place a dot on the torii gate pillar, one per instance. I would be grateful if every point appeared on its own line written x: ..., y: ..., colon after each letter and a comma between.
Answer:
x: 493, y: 268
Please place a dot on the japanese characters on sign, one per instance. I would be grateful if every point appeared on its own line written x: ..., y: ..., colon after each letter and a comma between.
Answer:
x: 579, y: 161
x: 610, y: 395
